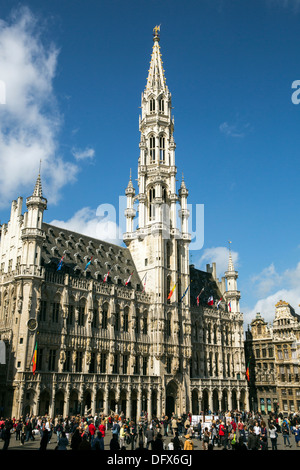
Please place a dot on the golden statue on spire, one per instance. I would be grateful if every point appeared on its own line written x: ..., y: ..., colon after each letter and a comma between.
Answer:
x: 156, y: 29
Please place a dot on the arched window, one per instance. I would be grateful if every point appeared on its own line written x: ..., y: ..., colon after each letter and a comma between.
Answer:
x: 162, y: 149
x: 117, y: 318
x: 104, y: 316
x: 152, y: 148
x: 152, y: 106
x: 168, y: 255
x: 126, y: 319
x: 145, y: 323
x: 137, y: 321
x: 151, y: 203
x: 161, y: 105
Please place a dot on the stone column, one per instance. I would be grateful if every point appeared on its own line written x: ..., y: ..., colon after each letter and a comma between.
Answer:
x: 149, y: 403
x: 67, y: 401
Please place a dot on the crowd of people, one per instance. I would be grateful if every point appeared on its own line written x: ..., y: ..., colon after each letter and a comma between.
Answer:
x: 228, y: 431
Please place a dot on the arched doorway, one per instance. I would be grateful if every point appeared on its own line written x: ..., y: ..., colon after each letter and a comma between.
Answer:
x: 112, y: 401
x: 171, y: 398
x: 29, y: 402
x: 100, y: 401
x: 59, y: 403
x: 205, y: 401
x: 195, y: 402
x: 74, y: 403
x: 44, y: 403
x: 123, y: 402
x: 216, y: 405
x: 224, y: 401
x: 133, y: 405
x: 234, y: 400
x: 154, y: 402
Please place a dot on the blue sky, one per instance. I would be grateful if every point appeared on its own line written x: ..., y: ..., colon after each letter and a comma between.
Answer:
x: 74, y: 73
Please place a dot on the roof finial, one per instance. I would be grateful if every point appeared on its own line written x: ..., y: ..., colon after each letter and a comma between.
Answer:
x: 230, y: 263
x: 156, y: 29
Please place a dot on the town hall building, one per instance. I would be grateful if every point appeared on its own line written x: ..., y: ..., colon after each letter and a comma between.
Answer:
x: 90, y: 325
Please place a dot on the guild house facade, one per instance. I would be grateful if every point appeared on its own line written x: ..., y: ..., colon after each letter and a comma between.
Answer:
x: 273, y: 354
x: 119, y: 328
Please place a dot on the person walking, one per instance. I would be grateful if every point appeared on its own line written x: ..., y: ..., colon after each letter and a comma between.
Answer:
x: 286, y: 433
x: 188, y: 445
x: 252, y: 439
x: 149, y: 435
x: 273, y: 436
x: 63, y: 442
x: 297, y: 435
x: 44, y: 437
x: 5, y: 434
x: 206, y: 437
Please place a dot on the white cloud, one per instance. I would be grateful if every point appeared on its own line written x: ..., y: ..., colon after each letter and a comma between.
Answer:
x: 29, y: 120
x: 234, y: 130
x: 220, y: 256
x: 271, y: 287
x: 94, y: 223
x: 83, y: 154
x: 267, y: 279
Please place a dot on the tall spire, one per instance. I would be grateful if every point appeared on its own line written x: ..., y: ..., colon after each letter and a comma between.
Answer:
x: 38, y: 192
x: 156, y: 78
x: 230, y: 262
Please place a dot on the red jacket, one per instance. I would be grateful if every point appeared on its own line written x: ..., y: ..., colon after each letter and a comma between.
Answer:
x: 92, y: 429
x: 101, y: 428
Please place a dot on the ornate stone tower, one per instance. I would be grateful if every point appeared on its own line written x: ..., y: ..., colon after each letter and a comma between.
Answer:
x: 232, y: 294
x: 160, y: 243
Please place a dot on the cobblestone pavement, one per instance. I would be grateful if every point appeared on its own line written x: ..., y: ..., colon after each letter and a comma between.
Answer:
x: 34, y: 445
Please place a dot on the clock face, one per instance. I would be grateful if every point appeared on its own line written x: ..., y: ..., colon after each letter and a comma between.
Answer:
x: 32, y: 324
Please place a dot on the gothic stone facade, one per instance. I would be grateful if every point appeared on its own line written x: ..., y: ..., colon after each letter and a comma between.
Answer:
x: 104, y: 346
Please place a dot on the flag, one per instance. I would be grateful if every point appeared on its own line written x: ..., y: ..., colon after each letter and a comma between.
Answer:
x: 219, y: 302
x: 87, y: 264
x: 198, y: 296
x: 145, y: 279
x: 171, y: 292
x: 247, y: 372
x: 184, y: 292
x: 129, y: 279
x: 229, y: 306
x: 106, y: 276
x: 210, y: 300
x: 34, y: 359
x: 60, y: 263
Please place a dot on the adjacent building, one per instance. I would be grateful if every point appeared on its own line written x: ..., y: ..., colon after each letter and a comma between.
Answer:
x: 273, y: 352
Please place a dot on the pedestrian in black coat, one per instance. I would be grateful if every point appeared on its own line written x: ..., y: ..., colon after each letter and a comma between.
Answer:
x: 158, y: 444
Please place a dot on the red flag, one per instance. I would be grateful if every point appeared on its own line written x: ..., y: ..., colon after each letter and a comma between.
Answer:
x: 129, y: 279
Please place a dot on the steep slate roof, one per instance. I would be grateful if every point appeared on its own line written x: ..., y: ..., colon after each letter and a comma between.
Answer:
x: 200, y: 279
x: 78, y: 250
